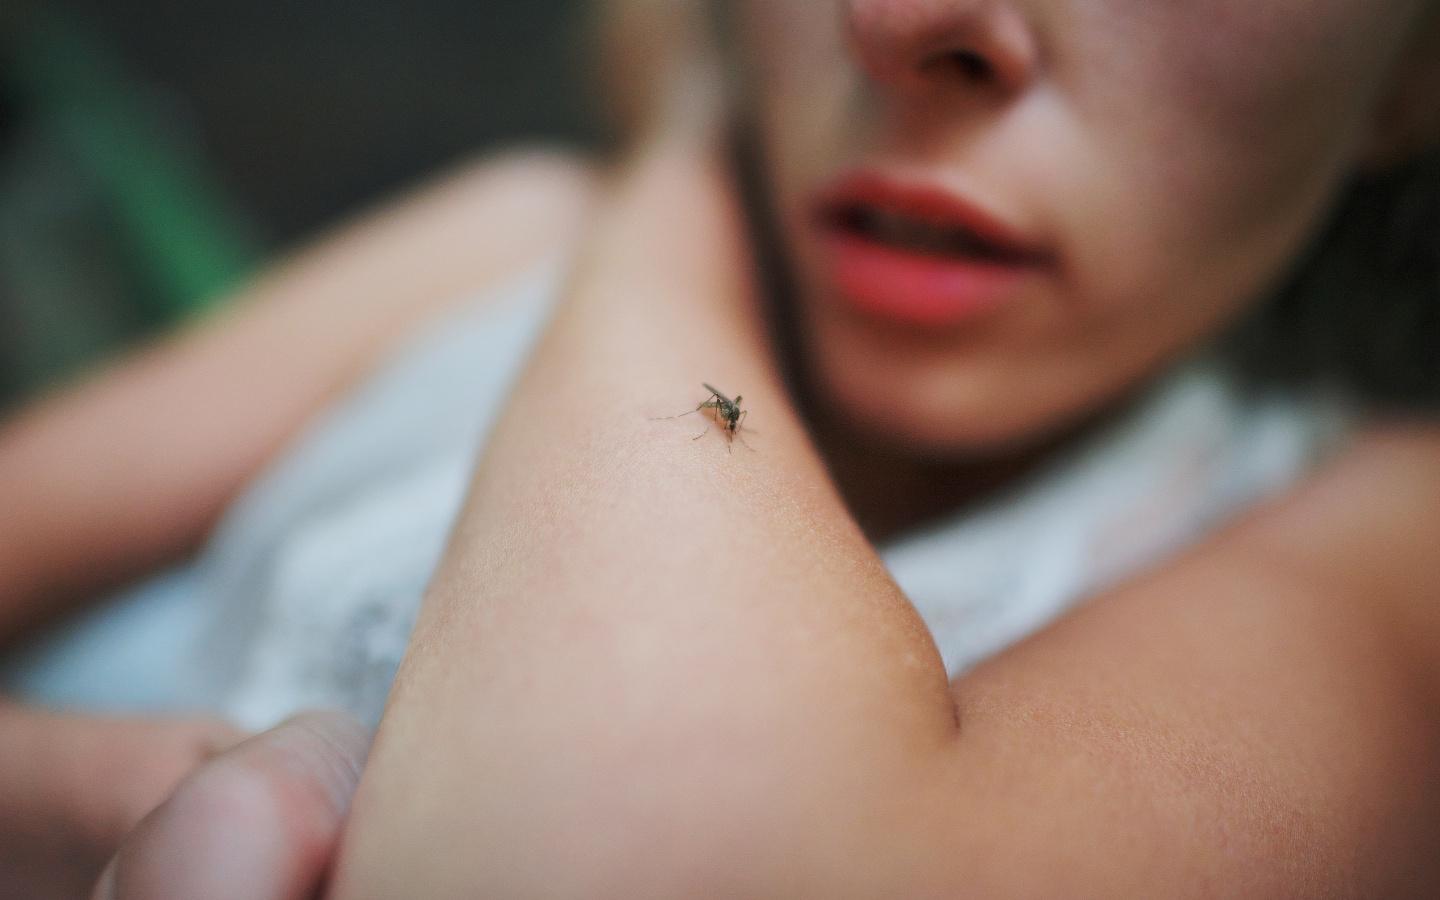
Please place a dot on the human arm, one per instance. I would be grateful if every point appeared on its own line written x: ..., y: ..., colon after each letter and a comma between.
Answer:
x: 649, y: 667
x: 127, y: 471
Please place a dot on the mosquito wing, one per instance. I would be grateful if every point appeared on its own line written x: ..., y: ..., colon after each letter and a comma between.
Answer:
x: 726, y: 400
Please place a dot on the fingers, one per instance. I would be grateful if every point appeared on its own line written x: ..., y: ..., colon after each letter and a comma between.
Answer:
x: 259, y: 822
x: 133, y: 765
x: 72, y: 786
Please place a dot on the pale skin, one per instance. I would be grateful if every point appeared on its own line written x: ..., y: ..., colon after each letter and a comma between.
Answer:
x: 649, y: 668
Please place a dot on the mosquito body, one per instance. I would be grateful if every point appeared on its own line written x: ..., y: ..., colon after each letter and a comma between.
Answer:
x: 727, y: 412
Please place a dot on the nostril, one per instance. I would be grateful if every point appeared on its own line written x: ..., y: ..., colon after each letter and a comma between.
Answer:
x: 971, y: 65
x: 922, y: 45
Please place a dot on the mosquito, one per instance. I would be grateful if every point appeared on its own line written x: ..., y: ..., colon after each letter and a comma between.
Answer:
x: 727, y: 412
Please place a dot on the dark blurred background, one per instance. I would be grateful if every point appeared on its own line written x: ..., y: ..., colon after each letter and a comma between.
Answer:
x: 153, y: 152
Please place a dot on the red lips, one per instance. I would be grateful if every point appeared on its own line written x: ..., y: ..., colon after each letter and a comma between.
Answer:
x: 919, y: 255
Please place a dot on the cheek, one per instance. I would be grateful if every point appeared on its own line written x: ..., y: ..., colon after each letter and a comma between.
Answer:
x: 1225, y: 69
x: 1212, y: 131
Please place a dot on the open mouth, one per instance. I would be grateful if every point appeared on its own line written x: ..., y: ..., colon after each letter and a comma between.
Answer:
x: 919, y: 255
x: 902, y: 231
x: 923, y: 220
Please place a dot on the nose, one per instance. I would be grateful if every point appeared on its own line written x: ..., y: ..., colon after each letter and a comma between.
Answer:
x: 919, y: 45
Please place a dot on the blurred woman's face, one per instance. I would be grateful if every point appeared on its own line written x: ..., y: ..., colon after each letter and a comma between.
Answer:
x: 1003, y: 213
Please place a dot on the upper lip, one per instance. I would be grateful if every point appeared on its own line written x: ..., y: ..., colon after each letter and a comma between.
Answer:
x: 928, y: 203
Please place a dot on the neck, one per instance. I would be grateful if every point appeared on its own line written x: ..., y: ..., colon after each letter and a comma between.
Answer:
x: 889, y: 490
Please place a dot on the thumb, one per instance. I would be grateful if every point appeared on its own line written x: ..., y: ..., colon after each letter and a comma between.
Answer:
x: 260, y: 821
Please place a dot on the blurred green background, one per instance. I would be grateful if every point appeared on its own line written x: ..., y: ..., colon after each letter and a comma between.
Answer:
x: 154, y: 152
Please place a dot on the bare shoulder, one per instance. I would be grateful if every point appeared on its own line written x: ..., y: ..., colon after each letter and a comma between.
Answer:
x: 1263, y: 711
x: 467, y: 228
x: 1367, y: 527
x: 525, y: 189
x: 1391, y: 469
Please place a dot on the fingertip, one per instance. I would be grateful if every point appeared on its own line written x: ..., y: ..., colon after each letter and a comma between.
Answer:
x: 328, y: 747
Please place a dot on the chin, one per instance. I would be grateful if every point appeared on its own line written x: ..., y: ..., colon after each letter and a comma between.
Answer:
x: 936, y: 412
x: 973, y: 398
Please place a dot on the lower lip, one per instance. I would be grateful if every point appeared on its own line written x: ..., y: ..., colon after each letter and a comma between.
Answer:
x: 915, y: 288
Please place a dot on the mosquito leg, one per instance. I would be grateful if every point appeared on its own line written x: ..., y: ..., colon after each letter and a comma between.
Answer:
x: 678, y: 415
x: 701, y: 434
